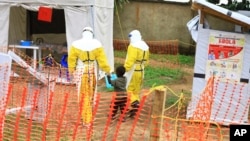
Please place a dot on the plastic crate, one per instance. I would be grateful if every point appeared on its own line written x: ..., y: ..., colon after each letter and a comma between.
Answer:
x: 25, y: 43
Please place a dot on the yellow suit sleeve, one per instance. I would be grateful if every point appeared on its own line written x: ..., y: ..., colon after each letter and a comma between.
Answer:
x: 131, y: 58
x: 72, y: 59
x: 147, y: 58
x: 102, y: 59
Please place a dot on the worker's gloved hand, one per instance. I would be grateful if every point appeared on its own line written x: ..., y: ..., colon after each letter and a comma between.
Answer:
x: 110, y: 73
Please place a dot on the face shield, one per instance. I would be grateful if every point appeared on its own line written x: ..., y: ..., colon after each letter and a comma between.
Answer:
x: 134, y: 36
x: 87, y: 33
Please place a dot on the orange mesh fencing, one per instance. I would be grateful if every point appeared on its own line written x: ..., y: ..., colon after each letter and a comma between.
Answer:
x: 56, y: 116
x: 159, y: 47
x: 186, y: 130
x: 222, y: 101
x: 204, y: 106
x: 41, y: 105
x: 3, y: 49
x: 176, y: 126
x: 169, y: 48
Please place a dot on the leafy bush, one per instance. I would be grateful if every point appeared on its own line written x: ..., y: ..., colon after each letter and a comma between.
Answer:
x: 233, y: 5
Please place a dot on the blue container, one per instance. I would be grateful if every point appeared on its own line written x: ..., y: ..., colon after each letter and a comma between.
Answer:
x: 25, y: 43
x: 64, y: 61
x: 113, y: 77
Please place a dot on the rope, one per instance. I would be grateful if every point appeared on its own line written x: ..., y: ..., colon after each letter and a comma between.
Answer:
x: 119, y: 21
x: 219, y: 130
x: 93, y: 23
x: 186, y: 43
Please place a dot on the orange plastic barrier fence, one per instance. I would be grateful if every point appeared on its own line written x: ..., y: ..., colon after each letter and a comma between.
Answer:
x: 159, y: 47
x: 42, y: 105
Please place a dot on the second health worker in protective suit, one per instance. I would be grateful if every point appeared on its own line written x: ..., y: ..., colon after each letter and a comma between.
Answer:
x: 136, y: 59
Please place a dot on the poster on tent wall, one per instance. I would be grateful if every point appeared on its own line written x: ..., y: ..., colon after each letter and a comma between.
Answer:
x: 225, y: 55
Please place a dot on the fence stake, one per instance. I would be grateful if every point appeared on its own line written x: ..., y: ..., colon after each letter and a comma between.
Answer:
x: 157, y: 109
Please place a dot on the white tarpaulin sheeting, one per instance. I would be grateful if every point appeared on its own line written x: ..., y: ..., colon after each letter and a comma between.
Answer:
x: 193, y: 25
x: 97, y: 14
x: 230, y: 89
x: 99, y: 3
x: 231, y: 99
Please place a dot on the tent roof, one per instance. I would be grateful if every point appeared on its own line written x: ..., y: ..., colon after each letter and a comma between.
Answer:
x: 101, y: 3
x: 217, y: 11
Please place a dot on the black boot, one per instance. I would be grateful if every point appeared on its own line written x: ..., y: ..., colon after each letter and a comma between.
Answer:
x: 133, y: 111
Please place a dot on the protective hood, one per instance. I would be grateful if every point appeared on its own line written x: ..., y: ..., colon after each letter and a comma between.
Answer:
x: 136, y: 40
x: 87, y: 33
x: 134, y: 36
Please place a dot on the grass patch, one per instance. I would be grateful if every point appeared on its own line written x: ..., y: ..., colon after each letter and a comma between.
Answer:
x: 179, y: 59
x: 161, y: 76
x: 120, y: 54
x: 171, y: 99
x: 187, y: 60
x: 155, y: 76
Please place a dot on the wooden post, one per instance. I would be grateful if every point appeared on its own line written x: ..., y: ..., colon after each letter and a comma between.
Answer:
x: 202, y: 17
x: 158, y: 106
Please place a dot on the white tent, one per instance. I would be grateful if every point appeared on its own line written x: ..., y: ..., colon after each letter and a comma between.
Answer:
x: 78, y: 13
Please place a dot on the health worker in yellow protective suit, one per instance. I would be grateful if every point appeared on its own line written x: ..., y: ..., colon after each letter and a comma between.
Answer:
x: 136, y: 59
x: 82, y: 62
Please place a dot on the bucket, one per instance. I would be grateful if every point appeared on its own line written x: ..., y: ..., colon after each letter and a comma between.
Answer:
x: 25, y: 43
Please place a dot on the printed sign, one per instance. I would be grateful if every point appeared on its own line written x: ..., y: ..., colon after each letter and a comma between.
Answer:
x: 225, y: 55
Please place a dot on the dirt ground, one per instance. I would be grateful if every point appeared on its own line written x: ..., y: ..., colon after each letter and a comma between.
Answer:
x: 185, y: 84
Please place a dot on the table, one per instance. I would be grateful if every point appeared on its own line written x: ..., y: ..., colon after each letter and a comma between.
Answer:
x: 34, y: 48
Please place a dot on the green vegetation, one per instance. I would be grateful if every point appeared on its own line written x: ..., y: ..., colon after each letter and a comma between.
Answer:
x: 120, y: 54
x: 186, y: 60
x: 155, y: 76
x: 233, y: 5
x: 120, y: 3
x: 165, y: 75
x: 176, y: 59
x: 161, y: 76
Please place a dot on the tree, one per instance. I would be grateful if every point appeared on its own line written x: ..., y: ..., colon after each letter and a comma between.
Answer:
x: 120, y: 3
x: 214, y: 1
x: 233, y: 5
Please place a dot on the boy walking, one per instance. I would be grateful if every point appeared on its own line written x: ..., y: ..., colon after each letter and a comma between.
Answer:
x: 119, y: 85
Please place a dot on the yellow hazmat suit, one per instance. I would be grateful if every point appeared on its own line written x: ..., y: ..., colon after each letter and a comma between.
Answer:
x: 136, y: 59
x: 82, y: 61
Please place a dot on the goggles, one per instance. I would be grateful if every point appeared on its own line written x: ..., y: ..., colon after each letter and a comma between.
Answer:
x: 87, y: 30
